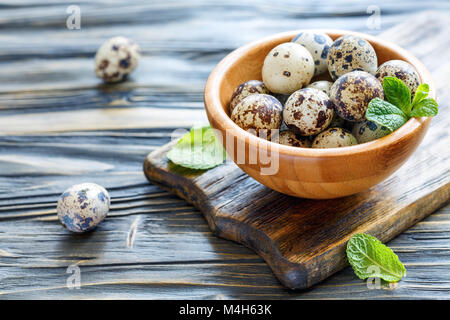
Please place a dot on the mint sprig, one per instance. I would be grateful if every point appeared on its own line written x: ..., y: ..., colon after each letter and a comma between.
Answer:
x: 398, y: 108
x: 371, y: 258
x: 425, y: 108
x: 421, y: 93
x: 397, y: 93
x: 199, y: 149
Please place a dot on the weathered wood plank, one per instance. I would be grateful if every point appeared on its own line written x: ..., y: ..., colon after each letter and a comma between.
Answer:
x: 227, y: 269
x: 180, y: 41
x: 187, y: 97
x: 161, y: 12
x: 103, y: 119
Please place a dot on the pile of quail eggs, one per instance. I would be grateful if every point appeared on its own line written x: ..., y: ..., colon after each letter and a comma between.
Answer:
x: 322, y: 113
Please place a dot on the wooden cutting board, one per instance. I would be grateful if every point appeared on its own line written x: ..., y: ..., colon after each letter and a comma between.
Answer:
x: 304, y: 241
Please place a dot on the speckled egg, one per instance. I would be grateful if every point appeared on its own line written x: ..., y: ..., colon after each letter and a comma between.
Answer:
x: 321, y: 85
x: 246, y: 89
x: 83, y: 206
x: 116, y: 59
x: 287, y: 68
x: 334, y: 138
x: 352, y: 92
x: 308, y: 111
x: 289, y: 138
x: 401, y: 70
x: 256, y: 112
x: 366, y: 131
x: 350, y: 53
x: 318, y: 45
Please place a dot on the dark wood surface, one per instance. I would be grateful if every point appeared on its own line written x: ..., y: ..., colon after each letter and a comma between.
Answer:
x: 59, y: 126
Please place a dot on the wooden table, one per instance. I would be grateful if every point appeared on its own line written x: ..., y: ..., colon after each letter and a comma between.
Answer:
x: 60, y: 126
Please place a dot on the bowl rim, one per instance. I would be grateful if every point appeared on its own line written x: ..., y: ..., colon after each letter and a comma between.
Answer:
x: 215, y: 110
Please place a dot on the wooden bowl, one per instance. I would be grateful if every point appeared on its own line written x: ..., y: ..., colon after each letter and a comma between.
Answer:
x: 306, y: 172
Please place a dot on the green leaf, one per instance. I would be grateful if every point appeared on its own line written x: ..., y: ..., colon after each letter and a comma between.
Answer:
x: 370, y: 258
x: 199, y: 149
x: 385, y: 114
x: 397, y: 93
x: 425, y: 108
x: 421, y: 93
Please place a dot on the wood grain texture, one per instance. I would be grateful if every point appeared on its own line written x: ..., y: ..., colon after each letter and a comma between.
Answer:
x: 47, y: 68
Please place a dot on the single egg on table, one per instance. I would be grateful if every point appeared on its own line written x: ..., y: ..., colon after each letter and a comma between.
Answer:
x: 116, y: 59
x: 349, y: 53
x: 259, y: 113
x: 366, y: 131
x: 352, y: 92
x: 401, y: 70
x: 308, y: 111
x: 322, y: 85
x: 289, y: 138
x: 287, y: 68
x: 318, y: 44
x: 83, y: 206
x: 334, y: 138
x: 246, y: 89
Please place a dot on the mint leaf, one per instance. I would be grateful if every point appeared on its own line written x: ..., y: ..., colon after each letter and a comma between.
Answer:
x: 397, y: 93
x: 399, y: 109
x: 425, y: 108
x: 199, y: 149
x: 421, y: 93
x: 370, y: 258
x: 385, y: 114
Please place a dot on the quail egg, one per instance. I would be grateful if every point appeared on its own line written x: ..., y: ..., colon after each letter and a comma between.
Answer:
x: 401, y: 70
x: 308, y: 111
x: 116, y: 59
x: 287, y: 68
x: 350, y: 53
x: 322, y: 85
x: 289, y: 138
x: 352, y: 92
x: 245, y: 89
x: 334, y: 138
x: 366, y: 131
x: 259, y: 113
x: 83, y: 206
x: 318, y: 45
